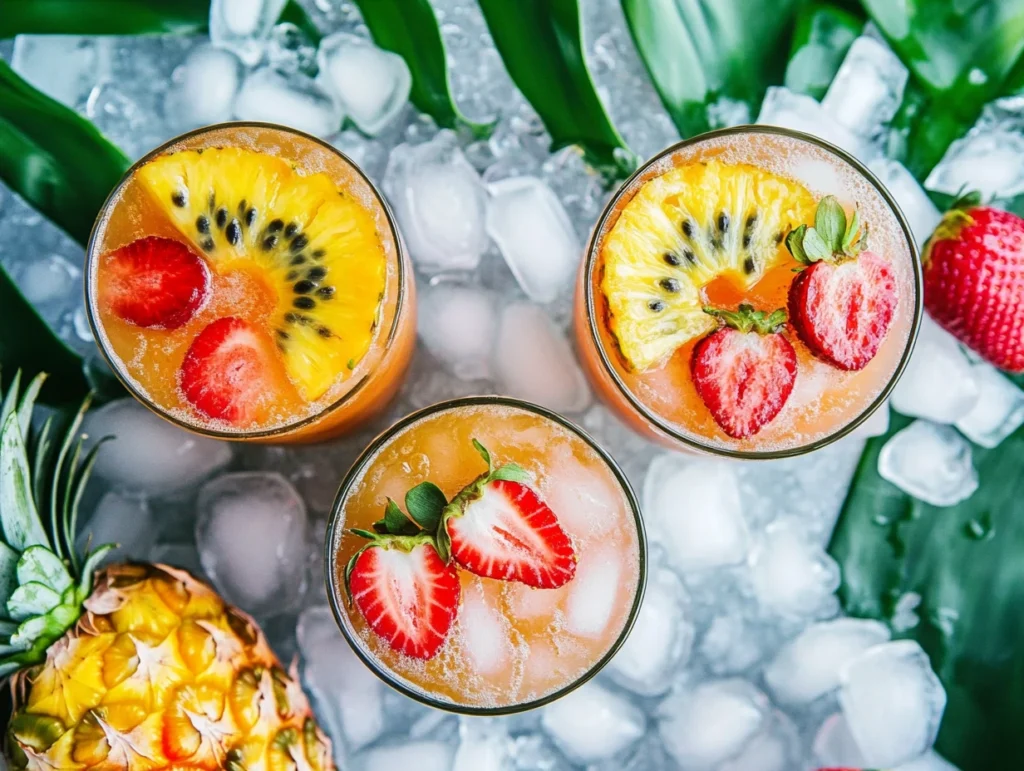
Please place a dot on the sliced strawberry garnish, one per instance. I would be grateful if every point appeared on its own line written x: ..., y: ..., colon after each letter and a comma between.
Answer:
x: 498, y: 527
x: 745, y: 371
x: 405, y: 591
x: 227, y: 371
x: 842, y: 304
x: 155, y: 282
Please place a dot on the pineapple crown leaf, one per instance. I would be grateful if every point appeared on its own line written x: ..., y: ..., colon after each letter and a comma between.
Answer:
x: 832, y: 237
x: 43, y: 579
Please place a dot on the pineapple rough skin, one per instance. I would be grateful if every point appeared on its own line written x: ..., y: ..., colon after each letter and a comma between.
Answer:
x: 160, y: 673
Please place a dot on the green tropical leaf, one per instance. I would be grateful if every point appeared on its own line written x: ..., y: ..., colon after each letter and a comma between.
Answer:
x: 425, y: 502
x: 541, y: 46
x: 409, y: 28
x: 967, y: 564
x: 53, y: 158
x: 41, y: 565
x: 823, y: 35
x: 699, y: 51
x: 961, y: 55
x: 31, y: 599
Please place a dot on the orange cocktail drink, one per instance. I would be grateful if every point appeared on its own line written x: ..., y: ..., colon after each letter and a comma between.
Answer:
x: 753, y: 292
x: 485, y: 556
x: 247, y: 281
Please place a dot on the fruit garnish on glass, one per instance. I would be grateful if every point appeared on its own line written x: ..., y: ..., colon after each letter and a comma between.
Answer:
x: 404, y: 580
x: 842, y: 302
x: 974, y: 280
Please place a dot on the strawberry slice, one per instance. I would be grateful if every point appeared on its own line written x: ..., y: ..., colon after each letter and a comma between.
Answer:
x: 745, y: 371
x: 227, y: 370
x: 155, y: 282
x: 405, y: 591
x: 498, y: 527
x: 843, y: 303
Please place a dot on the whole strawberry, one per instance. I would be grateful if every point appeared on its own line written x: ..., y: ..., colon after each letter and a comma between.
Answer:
x: 841, y: 305
x: 974, y: 280
x: 744, y: 371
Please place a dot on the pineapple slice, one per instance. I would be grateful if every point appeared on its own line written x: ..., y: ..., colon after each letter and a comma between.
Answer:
x: 682, y: 230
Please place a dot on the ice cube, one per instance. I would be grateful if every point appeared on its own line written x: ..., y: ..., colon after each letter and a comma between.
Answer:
x: 422, y: 755
x: 592, y: 723
x: 693, y: 509
x: 807, y: 667
x: 533, y: 361
x: 536, y: 238
x: 251, y: 533
x: 939, y: 382
x: 930, y: 761
x: 586, y: 501
x: 48, y: 280
x: 999, y: 410
x: 922, y: 214
x: 64, y: 67
x: 290, y: 50
x: 371, y: 84
x: 782, y: 107
x: 483, y: 632
x: 705, y: 725
x: 484, y: 745
x: 987, y: 159
x: 593, y: 591
x: 440, y: 203
x: 203, y: 88
x: 458, y: 323
x: 148, y: 454
x: 660, y: 641
x: 776, y: 747
x: 242, y: 26
x: 121, y: 520
x: 293, y: 100
x: 893, y: 702
x: 868, y: 88
x: 930, y: 462
x: 534, y: 752
x: 347, y: 695
x: 730, y: 645
x: 791, y: 575
x: 834, y: 745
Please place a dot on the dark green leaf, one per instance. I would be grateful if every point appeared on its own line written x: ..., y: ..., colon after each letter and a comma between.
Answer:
x: 35, y: 348
x: 961, y: 54
x: 540, y: 43
x: 443, y: 544
x: 698, y: 51
x: 395, y: 521
x: 510, y: 472
x: 823, y: 35
x: 409, y: 28
x: 53, y: 158
x: 795, y: 244
x: 967, y: 564
x: 425, y: 502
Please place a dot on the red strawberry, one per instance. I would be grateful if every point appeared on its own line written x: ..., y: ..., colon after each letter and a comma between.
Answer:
x: 405, y: 591
x: 974, y: 281
x: 498, y: 527
x: 155, y: 282
x: 842, y: 305
x: 745, y: 371
x: 227, y: 370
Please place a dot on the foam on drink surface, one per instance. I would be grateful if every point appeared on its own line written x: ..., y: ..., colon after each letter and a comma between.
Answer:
x: 510, y: 643
x: 825, y: 399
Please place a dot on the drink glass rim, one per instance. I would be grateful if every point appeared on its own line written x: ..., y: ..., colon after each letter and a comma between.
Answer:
x: 335, y: 529
x: 91, y: 255
x: 665, y: 427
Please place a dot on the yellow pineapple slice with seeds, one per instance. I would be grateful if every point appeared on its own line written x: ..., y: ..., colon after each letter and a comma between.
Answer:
x: 682, y: 230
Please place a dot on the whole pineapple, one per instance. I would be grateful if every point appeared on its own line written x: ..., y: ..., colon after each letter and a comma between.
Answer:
x: 140, y: 667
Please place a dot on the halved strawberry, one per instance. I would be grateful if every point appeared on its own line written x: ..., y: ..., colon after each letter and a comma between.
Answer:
x: 227, y: 370
x: 498, y: 527
x: 745, y: 371
x: 405, y: 591
x: 155, y: 282
x: 842, y: 305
